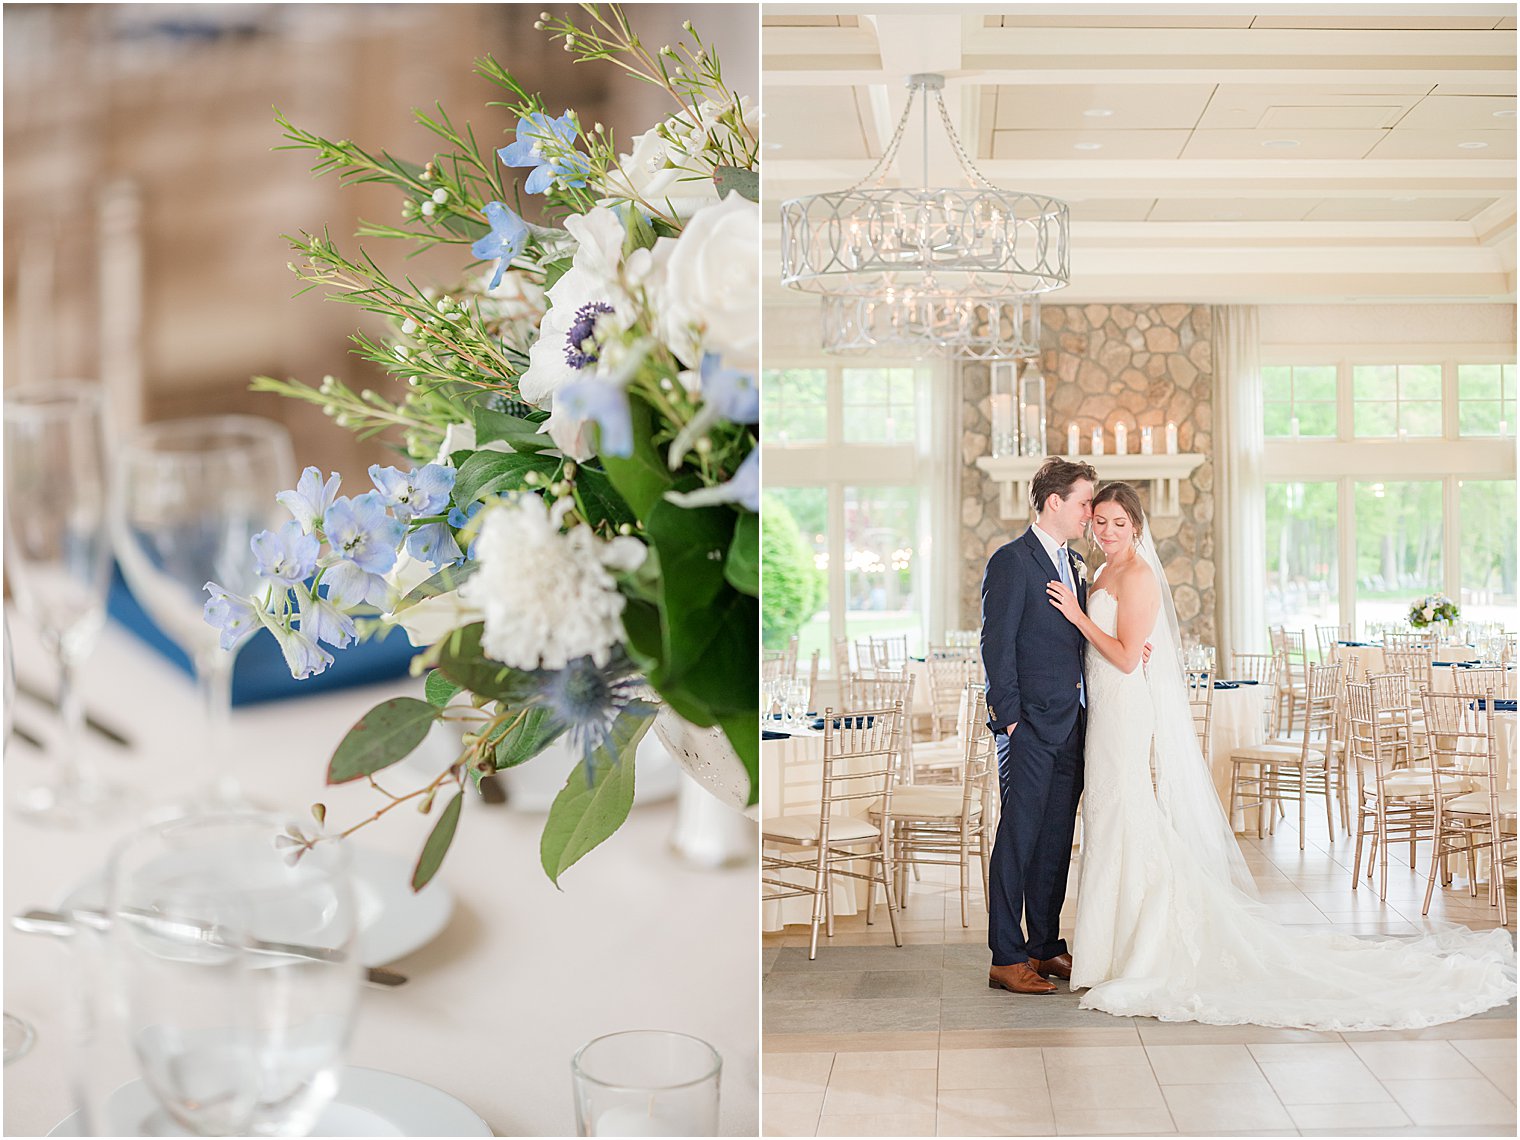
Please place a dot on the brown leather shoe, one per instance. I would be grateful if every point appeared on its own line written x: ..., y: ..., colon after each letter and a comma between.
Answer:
x: 1018, y: 978
x: 1057, y: 967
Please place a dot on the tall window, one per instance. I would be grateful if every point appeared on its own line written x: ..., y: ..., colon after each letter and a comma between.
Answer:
x: 1405, y: 485
x: 795, y: 404
x: 878, y: 405
x: 881, y: 559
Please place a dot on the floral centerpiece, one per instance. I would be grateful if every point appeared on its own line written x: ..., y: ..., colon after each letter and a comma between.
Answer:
x: 571, y: 534
x: 1432, y: 608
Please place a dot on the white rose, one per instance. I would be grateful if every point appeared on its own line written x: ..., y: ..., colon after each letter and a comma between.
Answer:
x: 1429, y: 613
x: 708, y: 299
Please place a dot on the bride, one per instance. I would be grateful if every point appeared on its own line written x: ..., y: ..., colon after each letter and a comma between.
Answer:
x: 1168, y: 925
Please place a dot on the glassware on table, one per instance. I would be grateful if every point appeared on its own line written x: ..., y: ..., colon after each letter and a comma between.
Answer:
x: 19, y: 1034
x: 190, y: 496
x: 222, y: 974
x: 646, y: 1083
x: 58, y: 563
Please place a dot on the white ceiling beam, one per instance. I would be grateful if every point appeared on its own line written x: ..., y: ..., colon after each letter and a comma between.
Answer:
x: 1082, y: 71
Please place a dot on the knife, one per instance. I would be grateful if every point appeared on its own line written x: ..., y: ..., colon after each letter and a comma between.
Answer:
x: 90, y: 722
x: 52, y: 922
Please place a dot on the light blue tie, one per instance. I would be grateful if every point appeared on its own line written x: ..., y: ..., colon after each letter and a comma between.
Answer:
x: 1063, y: 564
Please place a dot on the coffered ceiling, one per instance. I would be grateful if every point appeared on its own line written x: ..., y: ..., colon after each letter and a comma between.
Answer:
x: 1209, y: 152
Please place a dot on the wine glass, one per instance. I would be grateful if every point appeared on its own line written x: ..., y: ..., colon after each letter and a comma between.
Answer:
x: 59, y: 562
x: 19, y: 1034
x: 224, y: 977
x: 190, y: 496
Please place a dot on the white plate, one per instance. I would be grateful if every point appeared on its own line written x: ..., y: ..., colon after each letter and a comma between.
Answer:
x: 394, y: 920
x: 369, y: 1103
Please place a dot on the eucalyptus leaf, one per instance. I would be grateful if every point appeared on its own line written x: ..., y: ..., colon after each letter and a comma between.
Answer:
x: 439, y: 689
x: 491, y: 472
x: 437, y: 845
x: 526, y: 739
x: 584, y: 814
x: 746, y: 182
x: 743, y: 566
x: 387, y: 733
x: 461, y: 659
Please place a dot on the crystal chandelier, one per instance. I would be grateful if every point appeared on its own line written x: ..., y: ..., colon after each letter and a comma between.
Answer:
x: 975, y: 328
x: 927, y: 244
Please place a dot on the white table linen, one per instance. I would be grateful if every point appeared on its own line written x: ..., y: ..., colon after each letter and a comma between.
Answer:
x: 1237, y: 722
x: 497, y: 1004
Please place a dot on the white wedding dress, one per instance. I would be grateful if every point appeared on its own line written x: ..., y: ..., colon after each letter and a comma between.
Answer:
x: 1163, y: 927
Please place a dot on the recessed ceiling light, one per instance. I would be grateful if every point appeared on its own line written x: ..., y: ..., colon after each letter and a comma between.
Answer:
x: 1092, y: 146
x: 1509, y: 114
x: 1471, y: 144
x: 1097, y: 113
x: 1281, y: 144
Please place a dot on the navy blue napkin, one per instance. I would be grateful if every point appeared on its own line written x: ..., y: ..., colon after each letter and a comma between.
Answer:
x: 767, y: 734
x: 1501, y: 704
x: 1358, y: 644
x: 260, y: 672
x: 849, y: 722
x: 1228, y: 684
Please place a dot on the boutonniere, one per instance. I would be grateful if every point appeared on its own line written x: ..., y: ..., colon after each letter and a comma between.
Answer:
x: 1081, y: 568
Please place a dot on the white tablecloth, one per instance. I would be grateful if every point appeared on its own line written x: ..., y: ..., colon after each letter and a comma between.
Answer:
x: 523, y: 975
x: 919, y: 671
x: 1370, y: 660
x: 1237, y: 723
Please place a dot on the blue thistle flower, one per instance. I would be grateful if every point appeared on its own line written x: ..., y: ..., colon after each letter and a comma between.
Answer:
x: 585, y: 699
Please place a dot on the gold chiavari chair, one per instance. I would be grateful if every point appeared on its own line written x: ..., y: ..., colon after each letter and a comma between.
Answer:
x: 947, y: 682
x: 1416, y: 663
x: 1200, y: 685
x: 882, y: 689
x: 1478, y: 682
x: 1292, y: 677
x: 1293, y: 770
x: 1394, y: 801
x: 1330, y: 638
x: 889, y: 652
x: 963, y: 638
x: 1262, y: 669
x: 812, y: 680
x: 1471, y: 819
x: 845, y: 665
x: 949, y: 826
x: 860, y: 752
x: 773, y: 668
x: 1403, y: 642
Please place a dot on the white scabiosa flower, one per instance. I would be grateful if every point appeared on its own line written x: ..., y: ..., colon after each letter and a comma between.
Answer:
x: 548, y: 598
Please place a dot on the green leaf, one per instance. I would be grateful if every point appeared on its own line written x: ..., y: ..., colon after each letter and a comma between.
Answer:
x: 693, y: 543
x: 449, y: 578
x: 554, y: 270
x: 640, y: 231
x: 711, y: 654
x: 585, y: 814
x: 437, y: 845
x: 384, y: 735
x: 462, y: 661
x: 599, y: 500
x: 520, y: 434
x: 747, y: 182
x: 439, y: 689
x: 743, y: 566
x: 641, y: 478
x: 492, y: 472
x: 743, y: 732
x: 527, y: 739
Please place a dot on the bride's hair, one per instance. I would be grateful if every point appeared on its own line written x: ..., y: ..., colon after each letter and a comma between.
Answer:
x: 1129, y: 501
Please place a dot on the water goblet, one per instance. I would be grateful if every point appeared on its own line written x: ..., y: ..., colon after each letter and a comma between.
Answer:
x: 646, y: 1083
x: 190, y: 496
x: 223, y: 976
x: 59, y: 564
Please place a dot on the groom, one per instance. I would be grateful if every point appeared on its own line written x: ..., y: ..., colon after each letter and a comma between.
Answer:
x: 1036, y: 707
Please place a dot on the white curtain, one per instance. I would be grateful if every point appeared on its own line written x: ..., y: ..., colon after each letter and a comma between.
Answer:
x: 940, y: 456
x: 1240, y: 512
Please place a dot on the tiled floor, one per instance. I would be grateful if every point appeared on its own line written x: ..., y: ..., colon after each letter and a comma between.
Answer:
x: 873, y: 1040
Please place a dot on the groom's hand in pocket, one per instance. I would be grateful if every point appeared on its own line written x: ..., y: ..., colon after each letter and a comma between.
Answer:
x: 1012, y: 726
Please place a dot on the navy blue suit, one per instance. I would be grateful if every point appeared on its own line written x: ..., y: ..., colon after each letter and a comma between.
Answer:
x: 1033, y: 658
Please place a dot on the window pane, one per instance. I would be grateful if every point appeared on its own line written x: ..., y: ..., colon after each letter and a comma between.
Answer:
x: 882, y: 564
x: 1509, y: 381
x: 794, y: 569
x: 1374, y: 382
x: 796, y: 405
x: 902, y: 387
x: 1302, y: 529
x: 1422, y: 418
x: 1488, y: 550
x: 1278, y: 421
x: 1376, y: 419
x: 1317, y: 420
x: 865, y: 386
x: 1420, y: 382
x: 1478, y: 381
x: 1317, y: 383
x: 878, y: 405
x: 1479, y: 417
x: 1275, y: 383
x: 1398, y: 547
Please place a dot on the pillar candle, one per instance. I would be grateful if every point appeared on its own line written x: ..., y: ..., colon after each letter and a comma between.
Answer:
x: 1171, y: 439
x: 1002, y: 423
x: 1121, y: 439
x: 1074, y: 440
x: 1097, y: 440
x: 1147, y: 444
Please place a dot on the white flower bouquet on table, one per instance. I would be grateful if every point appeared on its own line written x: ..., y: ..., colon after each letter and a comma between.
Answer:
x: 573, y: 532
x: 1432, y: 608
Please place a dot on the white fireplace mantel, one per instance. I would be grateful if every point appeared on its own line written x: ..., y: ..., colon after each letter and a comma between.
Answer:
x: 1165, y: 473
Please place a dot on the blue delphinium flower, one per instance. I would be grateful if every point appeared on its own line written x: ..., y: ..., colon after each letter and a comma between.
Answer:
x: 288, y: 555
x: 421, y: 491
x: 606, y: 404
x: 460, y: 519
x: 234, y: 616
x: 303, y: 656
x: 585, y: 700
x: 743, y: 488
x: 321, y: 620
x: 508, y: 235
x: 364, y: 540
x: 311, y: 498
x: 546, y: 144
x: 731, y: 392
x: 434, y: 544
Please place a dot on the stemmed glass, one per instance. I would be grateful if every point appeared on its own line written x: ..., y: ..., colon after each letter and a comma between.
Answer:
x: 19, y: 1034
x: 59, y: 564
x: 190, y: 496
x: 223, y: 976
